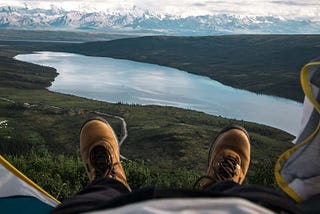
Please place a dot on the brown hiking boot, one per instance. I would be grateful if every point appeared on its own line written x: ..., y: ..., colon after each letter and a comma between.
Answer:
x: 229, y: 156
x: 99, y: 150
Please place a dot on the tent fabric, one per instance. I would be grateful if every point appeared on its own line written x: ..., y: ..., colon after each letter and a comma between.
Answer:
x: 190, y: 205
x: 14, y: 186
x: 23, y: 204
x: 297, y: 171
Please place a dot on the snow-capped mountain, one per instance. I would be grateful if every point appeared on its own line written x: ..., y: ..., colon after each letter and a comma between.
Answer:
x: 138, y: 20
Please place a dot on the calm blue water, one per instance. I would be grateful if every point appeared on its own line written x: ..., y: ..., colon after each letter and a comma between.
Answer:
x: 115, y: 80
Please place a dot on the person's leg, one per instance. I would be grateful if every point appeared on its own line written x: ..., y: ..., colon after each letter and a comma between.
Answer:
x: 228, y: 163
x: 101, y: 157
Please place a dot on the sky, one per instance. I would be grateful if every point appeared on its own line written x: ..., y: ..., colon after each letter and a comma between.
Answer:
x: 281, y: 8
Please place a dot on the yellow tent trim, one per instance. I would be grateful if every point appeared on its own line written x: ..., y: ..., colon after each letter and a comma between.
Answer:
x: 304, y: 78
x: 19, y: 174
x: 308, y: 92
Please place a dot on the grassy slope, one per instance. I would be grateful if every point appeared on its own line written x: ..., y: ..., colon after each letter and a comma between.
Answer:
x: 169, y: 145
x: 268, y: 64
x: 22, y: 75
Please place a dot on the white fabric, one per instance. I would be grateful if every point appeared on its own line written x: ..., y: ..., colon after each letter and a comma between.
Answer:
x: 190, y: 206
x: 307, y: 111
x: 306, y: 188
x: 10, y: 185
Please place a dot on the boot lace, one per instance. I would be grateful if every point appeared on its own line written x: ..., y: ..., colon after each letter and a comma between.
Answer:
x: 227, y: 169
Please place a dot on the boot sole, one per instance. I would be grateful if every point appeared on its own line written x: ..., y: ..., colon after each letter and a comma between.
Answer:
x: 225, y: 129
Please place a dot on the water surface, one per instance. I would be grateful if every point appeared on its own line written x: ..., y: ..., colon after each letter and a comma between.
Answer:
x: 115, y: 80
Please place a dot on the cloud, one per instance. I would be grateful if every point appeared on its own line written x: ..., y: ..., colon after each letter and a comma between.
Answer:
x: 285, y: 8
x: 297, y: 3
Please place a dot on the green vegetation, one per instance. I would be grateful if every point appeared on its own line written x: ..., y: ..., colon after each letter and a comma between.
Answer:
x: 22, y: 75
x: 166, y: 145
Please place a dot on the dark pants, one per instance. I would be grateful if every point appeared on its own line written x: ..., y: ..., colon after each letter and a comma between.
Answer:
x: 109, y: 193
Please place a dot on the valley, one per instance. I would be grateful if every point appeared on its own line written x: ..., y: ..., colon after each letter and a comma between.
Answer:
x: 166, y: 145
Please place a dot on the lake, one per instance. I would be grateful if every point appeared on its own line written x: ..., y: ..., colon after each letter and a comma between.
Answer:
x: 115, y: 80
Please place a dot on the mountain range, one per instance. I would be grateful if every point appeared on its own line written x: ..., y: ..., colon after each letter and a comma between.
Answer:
x: 144, y: 21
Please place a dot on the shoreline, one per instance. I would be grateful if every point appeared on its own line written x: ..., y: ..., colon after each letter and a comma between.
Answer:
x: 223, y: 116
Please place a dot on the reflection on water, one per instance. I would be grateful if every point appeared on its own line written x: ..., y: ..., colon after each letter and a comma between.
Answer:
x: 115, y: 80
